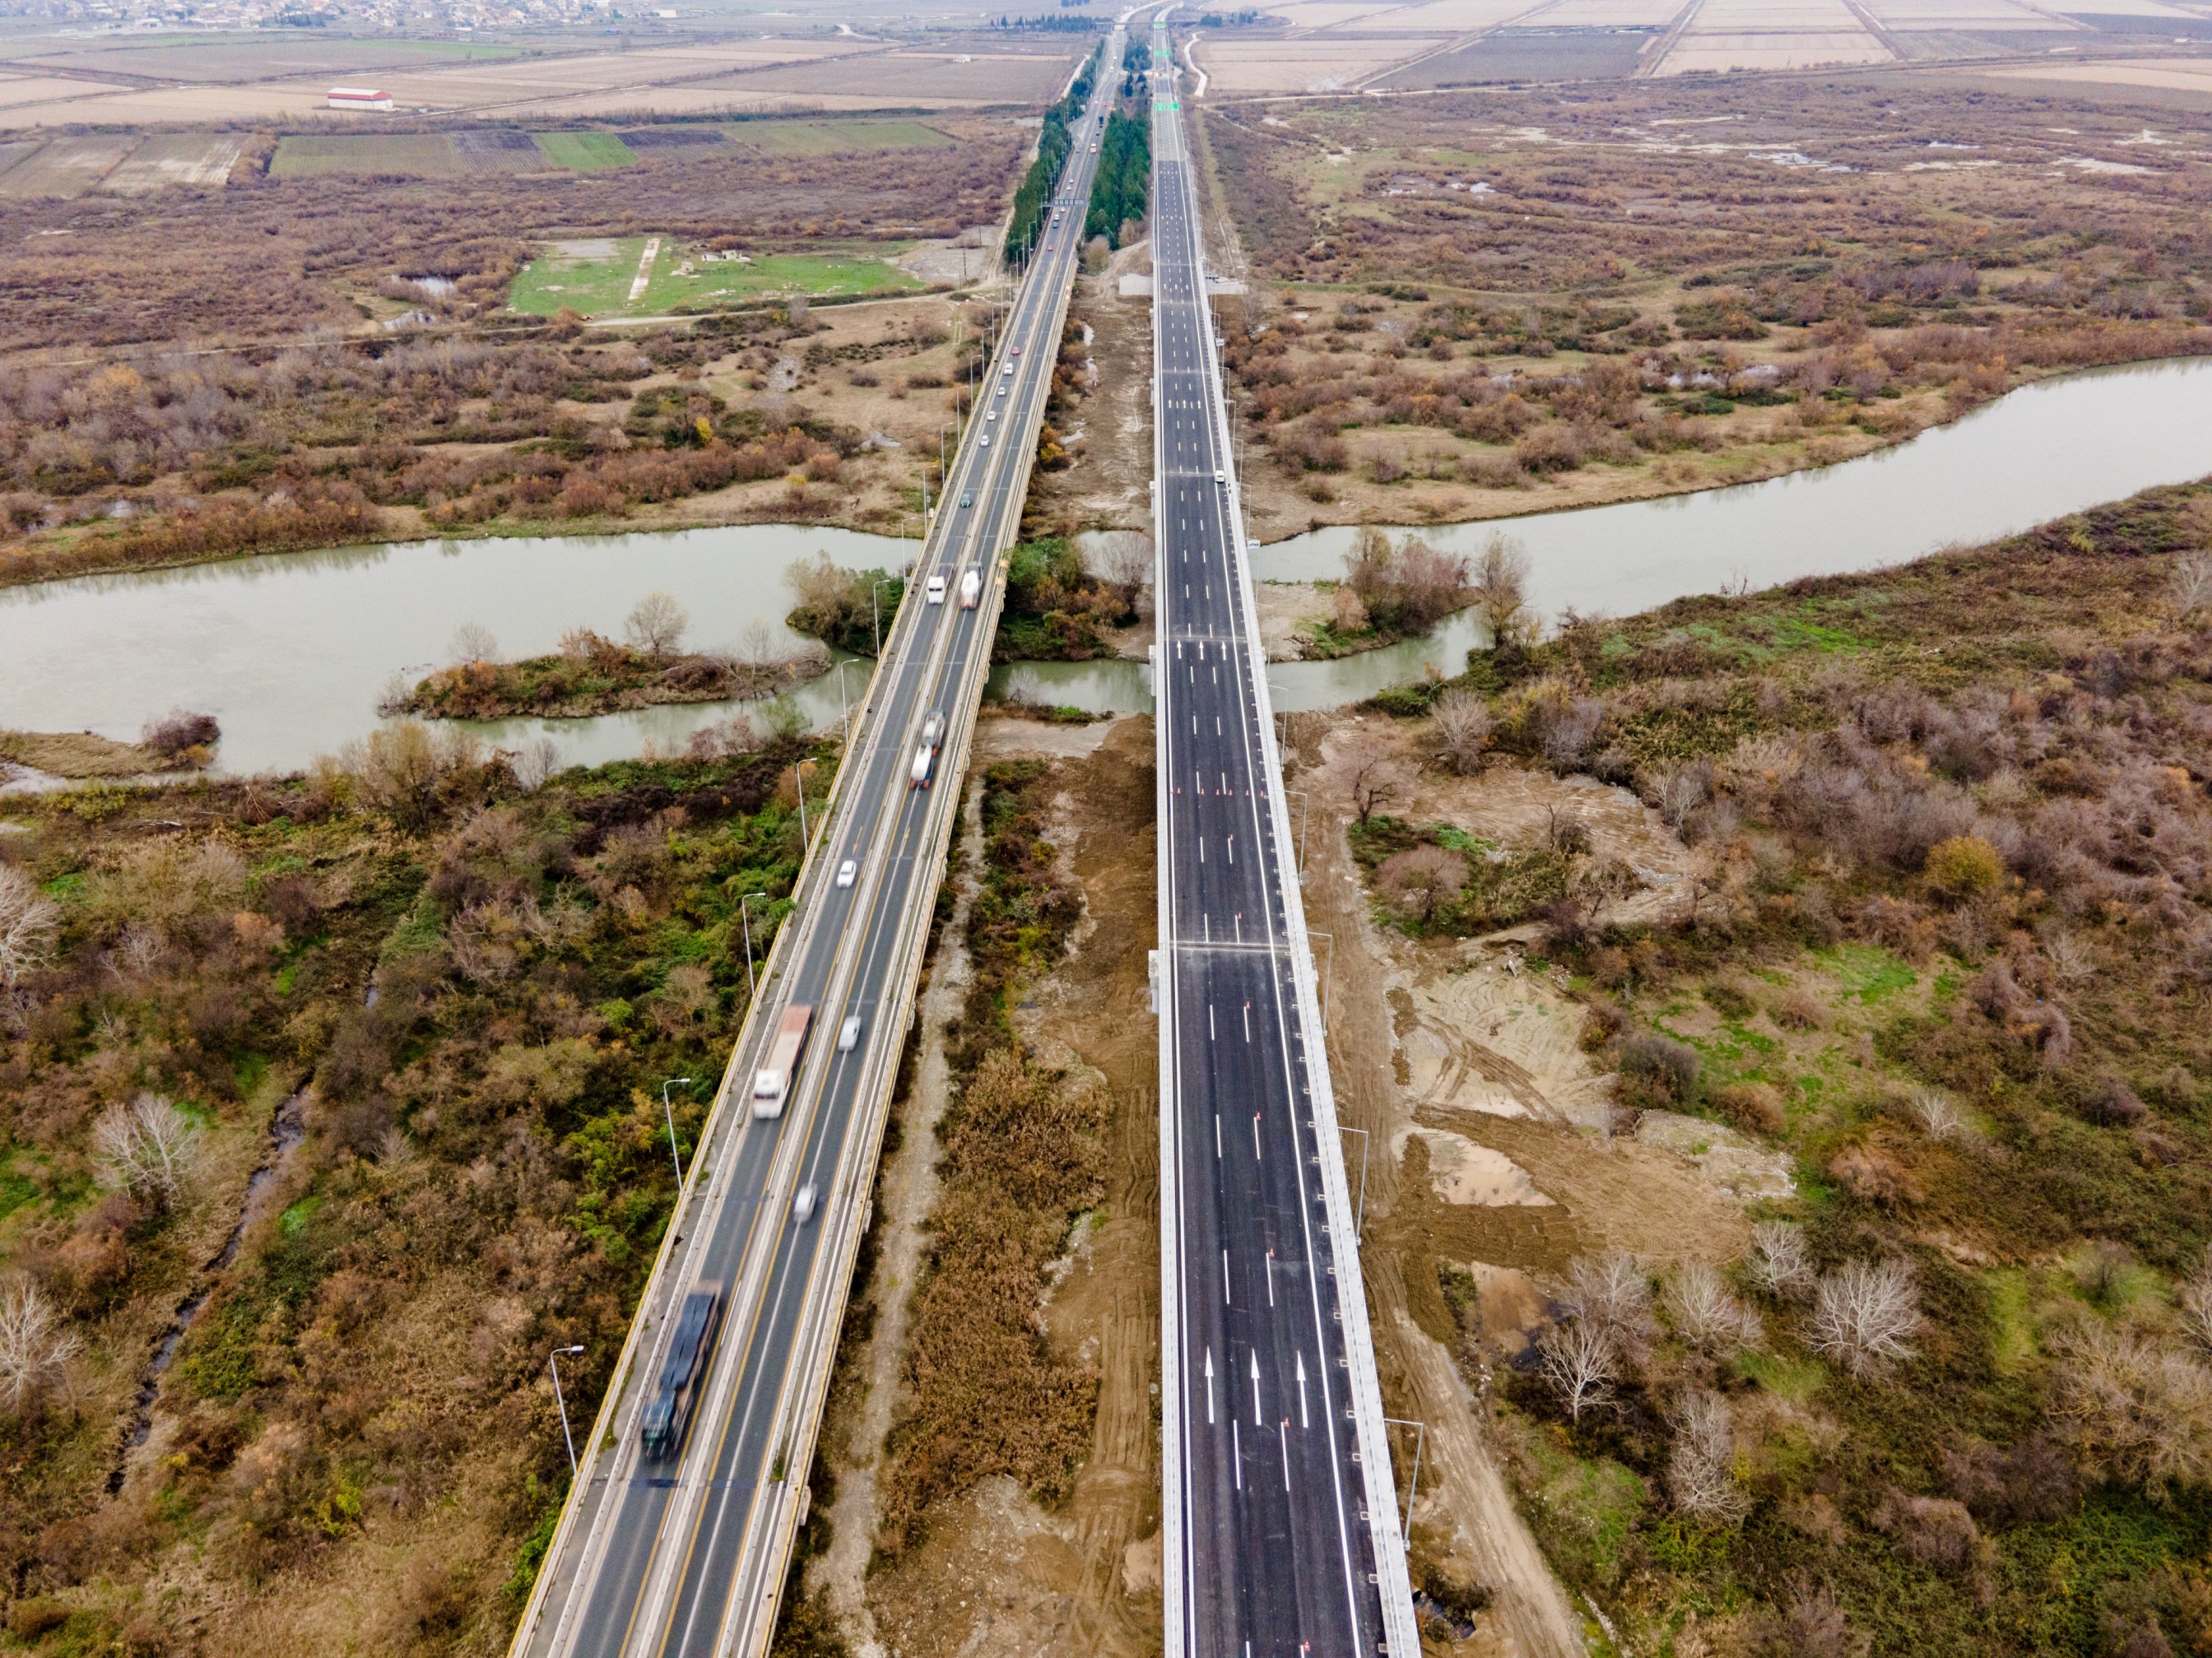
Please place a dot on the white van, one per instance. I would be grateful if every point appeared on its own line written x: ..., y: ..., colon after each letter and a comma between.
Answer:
x: 971, y: 589
x: 934, y: 592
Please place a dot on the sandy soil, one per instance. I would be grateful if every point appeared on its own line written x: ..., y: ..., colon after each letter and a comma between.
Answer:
x: 997, y: 1575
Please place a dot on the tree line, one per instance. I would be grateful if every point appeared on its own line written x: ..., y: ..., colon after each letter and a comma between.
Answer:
x: 1120, y: 191
x: 1053, y: 142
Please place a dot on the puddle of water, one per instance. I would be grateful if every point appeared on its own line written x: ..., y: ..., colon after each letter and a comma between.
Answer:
x: 291, y: 652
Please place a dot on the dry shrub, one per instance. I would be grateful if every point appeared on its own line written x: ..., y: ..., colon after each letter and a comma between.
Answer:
x: 1612, y: 1293
x: 2033, y: 1481
x: 1797, y: 1010
x: 986, y: 1394
x: 1936, y: 1530
x: 2142, y: 1412
x: 1755, y: 1105
x: 2111, y: 1101
x: 1873, y: 1177
x: 1416, y: 881
x: 1656, y: 1072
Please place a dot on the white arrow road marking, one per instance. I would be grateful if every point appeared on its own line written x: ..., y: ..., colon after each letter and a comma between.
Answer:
x: 1256, y: 1388
x: 1302, y: 1423
x: 1209, y: 1384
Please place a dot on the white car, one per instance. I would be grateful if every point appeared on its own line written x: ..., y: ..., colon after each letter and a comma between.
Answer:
x: 802, y: 1204
x: 1221, y: 477
x: 846, y: 871
x: 990, y: 414
x: 849, y: 1034
x: 1002, y: 388
x: 984, y: 441
x: 933, y: 593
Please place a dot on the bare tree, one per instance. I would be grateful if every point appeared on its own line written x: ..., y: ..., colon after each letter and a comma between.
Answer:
x: 1422, y: 878
x: 1701, y: 1470
x: 2190, y: 585
x: 1865, y: 1314
x: 2071, y: 959
x: 1461, y: 720
x: 36, y: 1345
x: 1613, y: 1292
x: 1579, y: 1358
x: 1779, y: 1264
x: 656, y: 626
x: 1680, y: 793
x: 1707, y: 1315
x: 1501, y: 588
x: 1812, y: 1624
x: 145, y: 1147
x: 1942, y: 1118
x: 473, y: 642
x: 2142, y: 1412
x: 1122, y: 558
x: 536, y: 760
x: 1373, y: 774
x: 28, y: 920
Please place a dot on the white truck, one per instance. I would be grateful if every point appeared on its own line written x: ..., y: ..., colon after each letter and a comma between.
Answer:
x: 772, y: 1081
x: 972, y: 590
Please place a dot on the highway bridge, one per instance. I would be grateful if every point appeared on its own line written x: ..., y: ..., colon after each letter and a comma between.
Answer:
x: 1281, y: 1533
x: 685, y: 1556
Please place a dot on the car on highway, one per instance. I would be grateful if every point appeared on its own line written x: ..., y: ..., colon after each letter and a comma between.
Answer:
x: 772, y: 1081
x: 967, y: 498
x: 1016, y: 350
x: 849, y: 1034
x: 682, y: 1372
x: 1221, y: 477
x: 972, y: 590
x: 925, y: 762
x: 932, y: 727
x: 990, y: 414
x: 1002, y: 388
x: 984, y: 442
x: 934, y: 592
x: 802, y: 1204
x: 846, y: 871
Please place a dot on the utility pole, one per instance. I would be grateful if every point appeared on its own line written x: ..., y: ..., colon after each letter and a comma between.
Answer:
x: 669, y: 1111
x: 560, y: 1404
x: 744, y: 922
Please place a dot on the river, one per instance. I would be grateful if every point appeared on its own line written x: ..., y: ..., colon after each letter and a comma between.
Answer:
x: 291, y: 652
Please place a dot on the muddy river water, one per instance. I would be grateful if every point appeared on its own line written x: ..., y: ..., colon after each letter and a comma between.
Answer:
x: 292, y: 651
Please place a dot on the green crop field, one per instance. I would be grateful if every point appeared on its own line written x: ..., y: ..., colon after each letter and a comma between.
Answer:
x: 595, y: 277
x: 585, y: 152
x: 828, y: 137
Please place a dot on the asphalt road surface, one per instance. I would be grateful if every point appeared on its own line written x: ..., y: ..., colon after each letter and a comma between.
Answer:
x: 688, y: 1555
x: 1282, y: 1536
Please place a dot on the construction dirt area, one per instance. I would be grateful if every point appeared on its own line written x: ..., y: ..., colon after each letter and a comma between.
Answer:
x: 1487, y: 1149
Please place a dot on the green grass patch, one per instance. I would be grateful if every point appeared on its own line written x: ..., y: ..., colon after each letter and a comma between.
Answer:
x: 2012, y: 1339
x: 1793, y: 1379
x: 832, y: 137
x: 1867, y: 972
x: 598, y: 277
x: 585, y: 152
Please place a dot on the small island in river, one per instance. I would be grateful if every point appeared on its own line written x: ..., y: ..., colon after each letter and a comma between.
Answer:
x: 592, y: 675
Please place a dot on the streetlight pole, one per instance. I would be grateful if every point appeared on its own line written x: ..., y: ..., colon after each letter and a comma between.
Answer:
x: 745, y: 922
x: 1327, y: 973
x: 1304, y: 806
x: 799, y: 777
x: 669, y: 1111
x: 876, y: 605
x: 561, y: 1403
x: 844, y: 710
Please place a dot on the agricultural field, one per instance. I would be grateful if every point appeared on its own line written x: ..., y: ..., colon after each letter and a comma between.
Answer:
x: 66, y: 167
x: 599, y: 277
x: 585, y: 152
x: 406, y: 155
x: 196, y: 159
x: 234, y: 59
x: 832, y: 137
